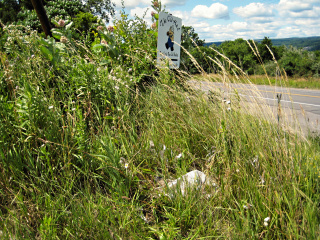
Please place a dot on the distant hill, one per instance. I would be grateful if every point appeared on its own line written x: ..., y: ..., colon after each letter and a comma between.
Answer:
x: 308, y: 43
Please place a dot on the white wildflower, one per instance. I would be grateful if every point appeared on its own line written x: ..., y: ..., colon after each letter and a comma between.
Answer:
x: 265, y: 224
x: 247, y: 206
x: 267, y: 219
x: 179, y: 156
x: 50, y: 107
x: 116, y: 87
x: 126, y: 165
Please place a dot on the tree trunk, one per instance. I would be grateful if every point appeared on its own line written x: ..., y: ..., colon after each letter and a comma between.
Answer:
x: 42, y: 15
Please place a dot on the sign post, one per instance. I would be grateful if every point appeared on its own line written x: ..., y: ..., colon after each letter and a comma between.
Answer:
x: 169, y: 40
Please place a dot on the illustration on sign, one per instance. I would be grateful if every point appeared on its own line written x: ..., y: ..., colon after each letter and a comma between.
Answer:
x: 169, y: 39
x: 170, y: 34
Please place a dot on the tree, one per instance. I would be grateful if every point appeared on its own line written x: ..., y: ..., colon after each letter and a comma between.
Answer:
x: 264, y: 52
x: 240, y: 53
x: 22, y: 11
x: 102, y: 8
x: 189, y: 38
x: 42, y: 15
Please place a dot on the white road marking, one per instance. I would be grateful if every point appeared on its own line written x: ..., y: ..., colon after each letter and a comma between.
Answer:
x: 309, y: 104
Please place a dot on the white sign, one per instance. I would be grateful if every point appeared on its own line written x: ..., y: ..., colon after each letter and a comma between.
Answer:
x: 169, y: 40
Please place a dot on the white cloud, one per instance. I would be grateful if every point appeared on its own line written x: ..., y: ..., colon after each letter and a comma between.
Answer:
x: 261, y: 19
x: 288, y: 18
x: 238, y: 26
x: 171, y: 3
x: 290, y: 31
x: 295, y: 5
x: 140, y: 12
x: 215, y: 11
x: 254, y: 10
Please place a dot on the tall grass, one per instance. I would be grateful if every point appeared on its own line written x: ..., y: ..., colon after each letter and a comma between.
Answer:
x: 82, y: 151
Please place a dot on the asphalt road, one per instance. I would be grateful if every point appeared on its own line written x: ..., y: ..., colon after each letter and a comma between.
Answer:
x: 304, y: 103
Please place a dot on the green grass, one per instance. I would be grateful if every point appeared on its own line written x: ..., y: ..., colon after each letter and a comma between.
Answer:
x: 289, y: 82
x: 68, y: 133
x: 292, y: 82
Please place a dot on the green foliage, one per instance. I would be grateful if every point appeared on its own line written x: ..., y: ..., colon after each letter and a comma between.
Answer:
x: 267, y: 51
x: 240, y: 53
x: 84, y: 22
x: 299, y: 62
x: 102, y: 8
x: 189, y: 38
x: 76, y: 157
x: 22, y: 12
x: 55, y: 10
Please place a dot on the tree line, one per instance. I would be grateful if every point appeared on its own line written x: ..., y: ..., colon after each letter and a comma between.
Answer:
x: 251, y: 56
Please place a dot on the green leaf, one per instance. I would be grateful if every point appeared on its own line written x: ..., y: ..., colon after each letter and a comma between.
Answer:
x: 98, y: 46
x: 69, y: 26
x: 57, y: 34
x: 46, y: 52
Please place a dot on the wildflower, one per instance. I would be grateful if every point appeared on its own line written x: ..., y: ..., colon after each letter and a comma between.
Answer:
x: 267, y: 219
x: 154, y: 25
x: 126, y: 165
x: 164, y: 147
x: 129, y: 70
x: 262, y: 180
x: 63, y: 39
x: 229, y: 102
x: 122, y: 160
x: 228, y: 109
x: 116, y: 87
x: 156, y: 4
x: 265, y: 224
x: 104, y: 42
x: 110, y: 28
x: 247, y: 206
x: 153, y: 13
x: 100, y: 28
x: 73, y: 109
x: 50, y: 107
x: 98, y: 69
x: 179, y: 156
x: 237, y: 170
x: 61, y: 23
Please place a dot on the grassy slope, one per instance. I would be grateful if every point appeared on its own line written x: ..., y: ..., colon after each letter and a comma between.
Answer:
x: 77, y: 163
x: 291, y: 82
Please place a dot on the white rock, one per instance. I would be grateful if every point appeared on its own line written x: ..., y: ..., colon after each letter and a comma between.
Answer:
x: 191, y: 179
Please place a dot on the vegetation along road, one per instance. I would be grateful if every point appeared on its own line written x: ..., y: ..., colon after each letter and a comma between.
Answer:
x: 304, y: 102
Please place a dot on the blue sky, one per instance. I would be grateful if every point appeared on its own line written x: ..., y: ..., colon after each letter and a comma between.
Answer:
x: 220, y: 20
